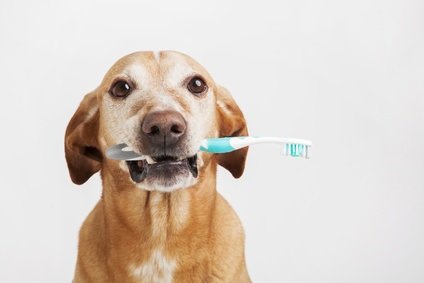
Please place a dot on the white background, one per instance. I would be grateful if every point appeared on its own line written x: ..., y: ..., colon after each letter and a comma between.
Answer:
x: 346, y: 74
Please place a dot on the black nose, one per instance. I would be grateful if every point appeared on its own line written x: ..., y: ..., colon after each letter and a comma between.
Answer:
x: 163, y: 128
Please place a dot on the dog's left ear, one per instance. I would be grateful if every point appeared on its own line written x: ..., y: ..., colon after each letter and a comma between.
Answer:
x: 81, y: 141
x: 231, y: 123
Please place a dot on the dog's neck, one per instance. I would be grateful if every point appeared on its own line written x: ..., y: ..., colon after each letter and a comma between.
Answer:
x: 137, y: 214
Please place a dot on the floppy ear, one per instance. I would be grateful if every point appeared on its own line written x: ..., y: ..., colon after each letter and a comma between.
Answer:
x: 81, y: 145
x: 231, y: 124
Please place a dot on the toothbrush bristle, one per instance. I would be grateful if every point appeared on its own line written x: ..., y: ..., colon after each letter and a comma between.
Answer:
x: 296, y: 150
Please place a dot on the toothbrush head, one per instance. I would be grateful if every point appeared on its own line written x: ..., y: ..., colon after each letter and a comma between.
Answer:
x: 296, y: 150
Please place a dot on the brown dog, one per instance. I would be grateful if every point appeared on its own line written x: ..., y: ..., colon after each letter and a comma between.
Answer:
x: 159, y: 220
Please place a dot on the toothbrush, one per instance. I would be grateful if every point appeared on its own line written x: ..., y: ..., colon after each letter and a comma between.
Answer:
x: 291, y: 147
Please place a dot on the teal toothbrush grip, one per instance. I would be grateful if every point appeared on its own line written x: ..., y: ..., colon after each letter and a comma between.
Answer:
x: 217, y: 145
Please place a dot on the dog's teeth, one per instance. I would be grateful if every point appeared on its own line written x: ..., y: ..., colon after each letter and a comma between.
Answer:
x: 150, y: 160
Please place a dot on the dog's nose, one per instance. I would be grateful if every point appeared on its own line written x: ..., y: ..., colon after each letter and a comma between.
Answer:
x: 164, y: 127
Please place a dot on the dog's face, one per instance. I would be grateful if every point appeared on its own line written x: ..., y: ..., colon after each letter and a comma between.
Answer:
x: 162, y: 105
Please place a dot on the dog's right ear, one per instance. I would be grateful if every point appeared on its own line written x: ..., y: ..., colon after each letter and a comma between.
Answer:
x: 232, y: 124
x: 81, y: 141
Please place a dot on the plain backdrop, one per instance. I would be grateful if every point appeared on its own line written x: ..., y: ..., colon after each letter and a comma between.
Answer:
x: 346, y: 74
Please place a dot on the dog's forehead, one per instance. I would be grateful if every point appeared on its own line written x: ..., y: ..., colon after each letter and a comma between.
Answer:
x: 149, y: 65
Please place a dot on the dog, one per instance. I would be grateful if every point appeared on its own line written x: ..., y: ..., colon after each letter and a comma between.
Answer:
x: 160, y: 219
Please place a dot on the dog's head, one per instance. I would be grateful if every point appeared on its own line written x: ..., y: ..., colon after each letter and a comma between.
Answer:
x: 162, y: 105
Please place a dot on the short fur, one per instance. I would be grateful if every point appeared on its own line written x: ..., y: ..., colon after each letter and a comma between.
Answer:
x: 138, y: 232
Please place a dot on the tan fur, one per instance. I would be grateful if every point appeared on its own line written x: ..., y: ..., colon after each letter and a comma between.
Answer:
x: 138, y: 235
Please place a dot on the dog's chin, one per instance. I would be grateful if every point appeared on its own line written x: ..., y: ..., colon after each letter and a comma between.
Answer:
x: 164, y: 173
x: 167, y: 185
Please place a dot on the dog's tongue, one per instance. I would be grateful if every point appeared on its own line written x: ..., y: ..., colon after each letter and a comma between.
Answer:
x: 138, y: 170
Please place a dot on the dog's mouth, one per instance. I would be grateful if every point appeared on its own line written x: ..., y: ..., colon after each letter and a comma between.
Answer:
x: 163, y: 167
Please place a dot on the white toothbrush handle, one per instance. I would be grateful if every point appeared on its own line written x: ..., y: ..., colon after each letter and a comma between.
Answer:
x: 240, y: 142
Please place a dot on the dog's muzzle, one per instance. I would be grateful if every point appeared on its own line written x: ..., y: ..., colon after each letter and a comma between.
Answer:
x: 162, y: 136
x: 162, y: 167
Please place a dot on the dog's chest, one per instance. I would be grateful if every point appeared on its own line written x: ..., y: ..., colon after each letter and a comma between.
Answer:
x: 158, y: 268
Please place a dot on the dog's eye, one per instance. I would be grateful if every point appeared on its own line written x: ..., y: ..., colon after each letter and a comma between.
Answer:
x: 197, y: 86
x: 120, y: 88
